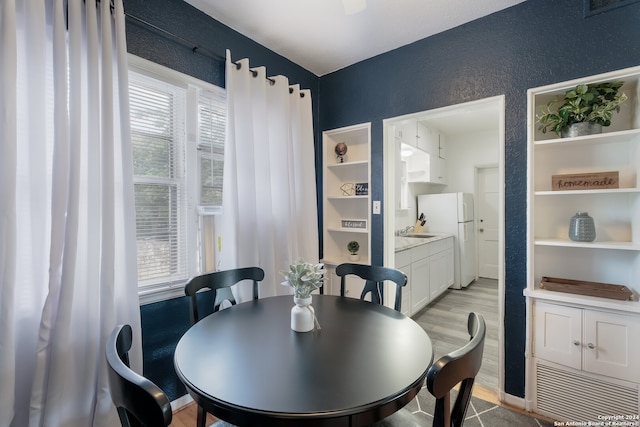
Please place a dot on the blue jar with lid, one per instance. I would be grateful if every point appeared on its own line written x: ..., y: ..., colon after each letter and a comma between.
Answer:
x: 582, y: 228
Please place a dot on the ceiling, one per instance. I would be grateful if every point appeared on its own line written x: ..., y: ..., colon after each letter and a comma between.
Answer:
x: 323, y: 36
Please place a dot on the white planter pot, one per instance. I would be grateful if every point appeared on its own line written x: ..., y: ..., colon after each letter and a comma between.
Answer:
x: 354, y: 257
x: 302, y: 315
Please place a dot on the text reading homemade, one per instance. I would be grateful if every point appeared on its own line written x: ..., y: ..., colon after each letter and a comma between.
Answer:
x: 585, y: 181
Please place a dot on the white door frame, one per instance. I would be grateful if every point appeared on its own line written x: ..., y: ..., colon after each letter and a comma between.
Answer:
x: 390, y: 198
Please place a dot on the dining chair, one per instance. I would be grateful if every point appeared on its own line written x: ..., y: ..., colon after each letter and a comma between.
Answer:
x: 220, y: 282
x: 374, y: 277
x: 458, y: 367
x: 138, y: 400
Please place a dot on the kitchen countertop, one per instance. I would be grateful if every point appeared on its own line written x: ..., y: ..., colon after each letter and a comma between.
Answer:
x: 403, y: 242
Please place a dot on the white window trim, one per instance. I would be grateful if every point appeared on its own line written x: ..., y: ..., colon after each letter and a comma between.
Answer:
x: 175, y: 289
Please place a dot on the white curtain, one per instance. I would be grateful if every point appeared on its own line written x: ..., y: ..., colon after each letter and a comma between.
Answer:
x: 67, y: 225
x: 270, y: 216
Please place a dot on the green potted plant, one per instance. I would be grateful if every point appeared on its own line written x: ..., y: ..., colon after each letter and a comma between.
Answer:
x: 584, y: 110
x: 353, y: 248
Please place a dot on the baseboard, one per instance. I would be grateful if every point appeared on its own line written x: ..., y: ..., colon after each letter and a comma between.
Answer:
x: 514, y: 401
x: 181, y: 402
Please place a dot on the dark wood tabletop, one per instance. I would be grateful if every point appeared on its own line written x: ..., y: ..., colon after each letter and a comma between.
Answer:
x: 245, y: 365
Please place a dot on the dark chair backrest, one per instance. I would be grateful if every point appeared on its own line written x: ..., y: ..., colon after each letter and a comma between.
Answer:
x: 139, y: 401
x: 374, y: 277
x: 458, y: 367
x: 220, y: 282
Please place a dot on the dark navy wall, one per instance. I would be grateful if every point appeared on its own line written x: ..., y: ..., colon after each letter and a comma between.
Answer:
x: 535, y: 43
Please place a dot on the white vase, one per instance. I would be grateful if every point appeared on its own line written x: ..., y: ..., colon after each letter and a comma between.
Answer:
x: 302, y: 315
x: 354, y: 257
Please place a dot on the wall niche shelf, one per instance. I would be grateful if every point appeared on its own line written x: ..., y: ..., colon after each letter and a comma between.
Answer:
x: 337, y: 206
x: 589, y: 339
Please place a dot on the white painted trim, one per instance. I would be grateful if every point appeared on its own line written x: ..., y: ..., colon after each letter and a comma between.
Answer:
x: 181, y: 402
x: 511, y: 400
x: 389, y: 206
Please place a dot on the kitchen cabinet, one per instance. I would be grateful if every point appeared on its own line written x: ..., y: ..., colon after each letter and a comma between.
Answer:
x: 589, y: 340
x: 428, y: 163
x: 405, y: 132
x: 420, y: 277
x: 403, y: 263
x: 441, y: 272
x: 429, y: 269
x: 584, y: 338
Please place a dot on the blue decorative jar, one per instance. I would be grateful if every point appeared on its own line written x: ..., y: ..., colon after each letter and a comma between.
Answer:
x: 582, y: 228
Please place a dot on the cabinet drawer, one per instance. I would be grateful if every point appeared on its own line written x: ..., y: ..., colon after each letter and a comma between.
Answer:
x: 403, y: 259
x: 420, y: 252
x: 439, y: 246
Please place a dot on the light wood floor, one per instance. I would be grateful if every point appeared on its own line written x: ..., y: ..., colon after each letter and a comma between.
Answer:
x: 445, y: 320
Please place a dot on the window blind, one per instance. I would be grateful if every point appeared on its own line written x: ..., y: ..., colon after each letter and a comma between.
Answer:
x: 158, y: 135
x: 211, y: 136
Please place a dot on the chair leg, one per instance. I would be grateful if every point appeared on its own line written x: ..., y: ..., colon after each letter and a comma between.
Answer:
x: 442, y: 412
x: 202, y: 417
x: 461, y: 404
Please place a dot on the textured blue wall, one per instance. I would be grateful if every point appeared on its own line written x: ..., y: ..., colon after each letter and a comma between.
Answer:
x: 534, y: 43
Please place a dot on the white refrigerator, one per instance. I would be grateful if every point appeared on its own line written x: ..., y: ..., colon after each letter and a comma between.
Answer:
x: 452, y: 213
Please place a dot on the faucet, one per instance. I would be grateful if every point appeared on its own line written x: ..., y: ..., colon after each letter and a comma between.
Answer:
x: 405, y: 230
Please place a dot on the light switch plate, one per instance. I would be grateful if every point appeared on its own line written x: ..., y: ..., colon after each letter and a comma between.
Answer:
x: 376, y: 207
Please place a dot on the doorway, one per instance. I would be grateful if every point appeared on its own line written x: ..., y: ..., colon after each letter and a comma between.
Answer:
x: 475, y: 119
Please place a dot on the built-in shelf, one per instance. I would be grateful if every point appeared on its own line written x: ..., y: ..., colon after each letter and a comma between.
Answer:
x: 606, y: 137
x: 586, y: 337
x: 349, y: 165
x: 337, y: 205
x: 624, y: 246
x: 583, y: 192
x: 348, y: 230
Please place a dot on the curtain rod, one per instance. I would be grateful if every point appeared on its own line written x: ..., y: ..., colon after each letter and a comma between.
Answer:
x: 196, y: 48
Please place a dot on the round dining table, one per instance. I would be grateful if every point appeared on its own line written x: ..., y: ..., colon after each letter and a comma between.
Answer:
x: 245, y: 364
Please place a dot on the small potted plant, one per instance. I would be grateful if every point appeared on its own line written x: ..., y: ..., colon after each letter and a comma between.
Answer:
x: 304, y: 277
x: 353, y: 248
x: 584, y: 110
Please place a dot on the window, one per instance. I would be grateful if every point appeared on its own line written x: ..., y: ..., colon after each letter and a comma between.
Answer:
x: 177, y: 133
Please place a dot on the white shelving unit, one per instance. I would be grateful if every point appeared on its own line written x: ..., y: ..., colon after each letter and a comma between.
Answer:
x: 338, y: 206
x: 614, y: 258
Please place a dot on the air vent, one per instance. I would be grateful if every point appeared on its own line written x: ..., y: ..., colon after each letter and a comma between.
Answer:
x: 595, y: 7
x: 572, y: 396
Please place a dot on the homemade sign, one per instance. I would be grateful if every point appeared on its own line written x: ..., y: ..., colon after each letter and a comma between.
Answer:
x: 585, y: 181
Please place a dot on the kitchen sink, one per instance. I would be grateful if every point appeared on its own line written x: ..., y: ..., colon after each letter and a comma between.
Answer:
x: 421, y: 235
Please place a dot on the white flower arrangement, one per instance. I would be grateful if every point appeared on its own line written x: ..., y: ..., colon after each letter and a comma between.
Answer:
x: 304, y: 277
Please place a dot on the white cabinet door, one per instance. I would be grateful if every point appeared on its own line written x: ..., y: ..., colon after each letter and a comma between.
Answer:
x: 428, y: 140
x: 449, y: 272
x: 557, y: 334
x: 405, y: 132
x: 611, y: 345
x: 403, y: 263
x: 419, y: 284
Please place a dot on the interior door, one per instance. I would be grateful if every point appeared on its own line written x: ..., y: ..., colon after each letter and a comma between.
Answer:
x: 488, y: 222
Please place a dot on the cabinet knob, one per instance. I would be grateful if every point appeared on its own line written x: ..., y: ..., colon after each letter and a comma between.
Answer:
x: 576, y: 343
x: 591, y: 346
